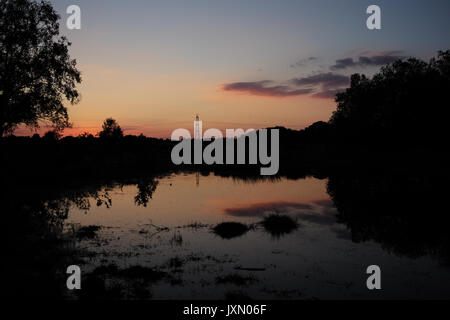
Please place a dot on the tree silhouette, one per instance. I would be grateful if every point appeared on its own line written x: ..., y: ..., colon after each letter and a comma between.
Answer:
x: 405, y: 102
x: 36, y: 71
x: 52, y: 135
x: 110, y: 129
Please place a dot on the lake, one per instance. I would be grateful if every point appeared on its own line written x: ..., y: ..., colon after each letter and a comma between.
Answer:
x: 155, y: 239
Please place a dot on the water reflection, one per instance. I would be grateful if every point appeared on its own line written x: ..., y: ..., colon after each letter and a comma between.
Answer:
x: 170, y: 237
x: 37, y: 246
x: 145, y: 187
x: 403, y: 213
x: 261, y: 209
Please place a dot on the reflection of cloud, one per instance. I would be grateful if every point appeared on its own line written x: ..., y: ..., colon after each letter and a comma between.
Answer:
x: 320, y: 211
x: 324, y: 203
x: 342, y: 232
x: 263, y: 88
x: 260, y: 209
x: 317, y: 217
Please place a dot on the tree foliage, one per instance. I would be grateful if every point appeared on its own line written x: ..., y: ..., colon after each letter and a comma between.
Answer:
x: 36, y: 71
x: 110, y: 129
x: 406, y: 101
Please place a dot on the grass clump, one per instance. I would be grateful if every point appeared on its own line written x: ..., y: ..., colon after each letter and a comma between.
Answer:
x: 279, y: 225
x: 229, y: 230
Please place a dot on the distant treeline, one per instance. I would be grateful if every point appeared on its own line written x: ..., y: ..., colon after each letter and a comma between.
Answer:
x: 301, y: 153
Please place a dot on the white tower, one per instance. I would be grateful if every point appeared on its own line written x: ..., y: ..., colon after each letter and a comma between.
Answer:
x: 197, y: 128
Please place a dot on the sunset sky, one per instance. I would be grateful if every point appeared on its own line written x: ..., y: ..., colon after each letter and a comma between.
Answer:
x: 152, y: 65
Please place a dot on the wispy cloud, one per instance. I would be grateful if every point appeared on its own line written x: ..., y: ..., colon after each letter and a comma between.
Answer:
x: 265, y: 88
x: 326, y: 85
x: 327, y: 80
x: 322, y: 85
x: 379, y: 59
x: 328, y: 93
x: 303, y: 62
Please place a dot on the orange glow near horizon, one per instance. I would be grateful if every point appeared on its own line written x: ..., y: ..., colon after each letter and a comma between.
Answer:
x: 157, y: 105
x: 154, y: 103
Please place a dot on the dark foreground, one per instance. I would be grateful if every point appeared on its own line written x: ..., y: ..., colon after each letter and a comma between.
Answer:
x: 137, y: 232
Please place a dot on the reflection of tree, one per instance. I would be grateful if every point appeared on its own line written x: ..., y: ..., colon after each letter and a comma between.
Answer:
x: 37, y: 246
x: 402, y: 212
x: 81, y: 200
x: 146, y: 187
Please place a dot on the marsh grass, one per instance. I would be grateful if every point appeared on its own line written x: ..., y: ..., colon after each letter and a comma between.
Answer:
x: 229, y: 230
x: 176, y: 240
x: 278, y: 225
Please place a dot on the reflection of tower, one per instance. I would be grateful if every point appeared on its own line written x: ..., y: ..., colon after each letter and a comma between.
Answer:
x: 197, y: 128
x: 197, y: 136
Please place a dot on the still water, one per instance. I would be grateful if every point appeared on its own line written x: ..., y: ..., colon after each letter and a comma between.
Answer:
x: 166, y: 225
